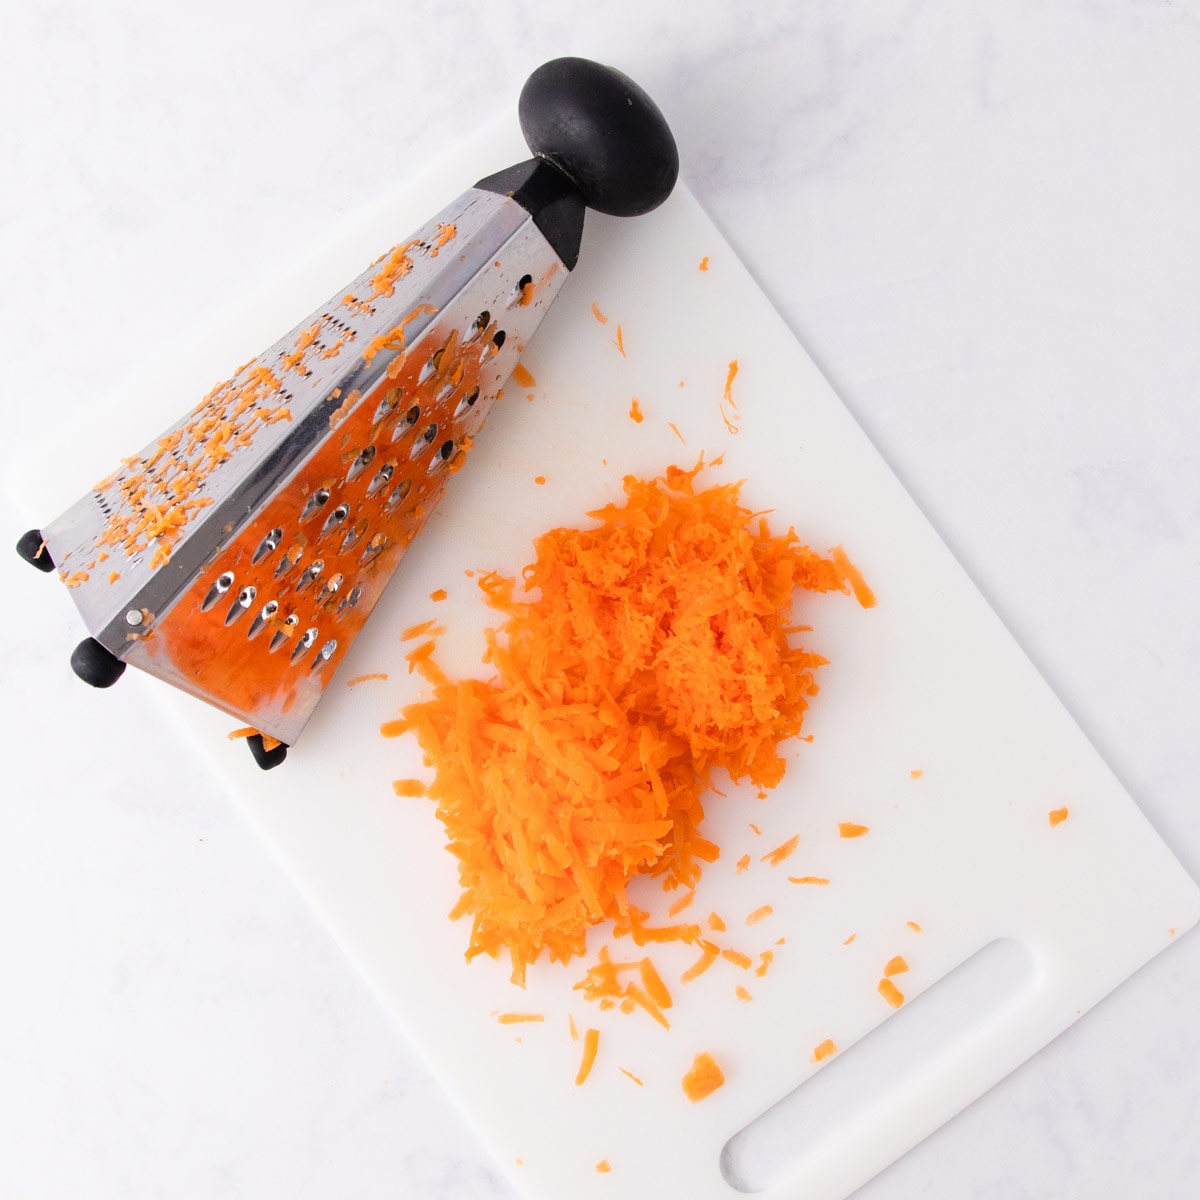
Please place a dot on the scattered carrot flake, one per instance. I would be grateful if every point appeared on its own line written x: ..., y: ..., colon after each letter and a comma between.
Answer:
x: 1058, y: 816
x: 652, y: 981
x: 895, y: 966
x: 891, y: 993
x: 850, y: 939
x: 603, y: 1167
x: 632, y: 1076
x: 755, y: 829
x: 706, y: 960
x: 743, y: 863
x: 817, y: 880
x: 680, y: 904
x: 738, y: 959
x: 539, y: 479
x: 409, y: 787
x: 675, y: 430
x: 729, y: 378
x: 862, y: 593
x: 244, y: 732
x: 848, y: 829
x: 776, y: 856
x: 913, y: 926
x: 363, y: 678
x: 635, y: 411
x: 429, y: 627
x: 827, y: 1049
x: 619, y: 342
x: 916, y: 773
x: 574, y: 1029
x: 438, y: 596
x: 703, y: 1078
x: 270, y: 743
x: 523, y: 377
x: 518, y: 1018
x: 715, y: 923
x: 114, y: 576
x: 703, y: 264
x: 765, y: 959
x: 598, y: 314
x: 759, y: 914
x: 591, y: 1042
x: 743, y: 995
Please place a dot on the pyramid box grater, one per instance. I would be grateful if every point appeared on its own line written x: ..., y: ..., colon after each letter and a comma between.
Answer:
x: 239, y: 554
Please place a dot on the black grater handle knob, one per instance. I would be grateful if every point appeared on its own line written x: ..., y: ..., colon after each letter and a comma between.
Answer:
x: 32, y: 549
x: 603, y: 132
x: 95, y: 665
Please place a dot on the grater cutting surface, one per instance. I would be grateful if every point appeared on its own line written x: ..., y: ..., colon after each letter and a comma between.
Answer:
x: 238, y: 555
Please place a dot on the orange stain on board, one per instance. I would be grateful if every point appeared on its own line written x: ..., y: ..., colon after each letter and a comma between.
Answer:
x: 408, y: 787
x: 539, y: 480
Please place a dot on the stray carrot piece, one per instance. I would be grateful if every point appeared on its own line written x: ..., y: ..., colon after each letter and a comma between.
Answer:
x: 765, y: 959
x: 913, y: 926
x: 891, y: 993
x: 518, y: 1018
x: 854, y: 576
x: 715, y: 923
x: 539, y: 479
x: 776, y: 856
x: 703, y: 1078
x: 603, y: 1167
x: 916, y: 773
x: 819, y: 880
x: 738, y: 959
x: 652, y: 981
x: 675, y: 430
x: 743, y: 995
x: 521, y: 374
x: 895, y: 966
x: 631, y: 1076
x: 391, y: 729
x: 755, y: 828
x: 244, y: 732
x: 827, y: 1049
x: 706, y: 960
x: 743, y: 863
x: 438, y: 596
x: 703, y: 264
x: 416, y: 631
x: 598, y: 314
x: 363, y: 678
x: 408, y: 787
x: 850, y: 939
x: 114, y: 576
x: 759, y: 914
x: 635, y: 411
x: 848, y: 829
x: 680, y: 904
x: 591, y: 1042
x: 270, y: 743
x: 620, y: 342
x: 1058, y: 816
x: 573, y: 1028
x: 733, y: 370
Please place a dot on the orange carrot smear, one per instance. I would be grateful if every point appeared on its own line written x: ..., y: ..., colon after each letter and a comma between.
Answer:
x: 776, y: 856
x: 438, y: 595
x: 715, y: 923
x: 895, y: 966
x: 603, y: 1167
x: 827, y: 1049
x: 518, y: 1018
x: 598, y: 314
x: 757, y: 832
x: 631, y: 1076
x: 635, y: 411
x: 891, y: 993
x: 729, y: 378
x: 523, y: 377
x: 408, y: 787
x: 743, y: 863
x: 363, y: 678
x: 759, y: 914
x: 1058, y: 816
x: 862, y: 593
x: 703, y: 1078
x: 591, y: 1042
x: 818, y: 880
x: 743, y: 995
x: 655, y: 648
x: 848, y: 829
x: 114, y: 576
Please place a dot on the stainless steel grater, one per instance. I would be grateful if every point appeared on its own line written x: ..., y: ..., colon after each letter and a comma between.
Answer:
x: 238, y: 555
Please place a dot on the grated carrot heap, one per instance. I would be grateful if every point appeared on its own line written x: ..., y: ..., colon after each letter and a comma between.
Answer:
x: 655, y: 648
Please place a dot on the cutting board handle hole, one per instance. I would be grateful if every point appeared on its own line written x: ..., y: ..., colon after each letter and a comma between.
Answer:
x: 882, y: 1075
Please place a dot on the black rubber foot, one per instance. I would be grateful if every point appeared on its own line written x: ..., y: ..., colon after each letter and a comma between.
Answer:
x: 95, y: 665
x: 601, y: 131
x: 266, y: 758
x: 31, y: 548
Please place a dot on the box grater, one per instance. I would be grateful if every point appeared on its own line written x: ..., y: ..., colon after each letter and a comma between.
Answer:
x: 238, y: 555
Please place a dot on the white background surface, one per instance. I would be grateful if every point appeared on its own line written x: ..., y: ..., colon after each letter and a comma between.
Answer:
x: 982, y: 221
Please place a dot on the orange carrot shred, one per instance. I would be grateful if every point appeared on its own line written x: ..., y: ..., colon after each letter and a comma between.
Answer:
x: 244, y: 732
x: 539, y: 479
x: 715, y: 923
x: 680, y: 904
x: 706, y: 960
x: 703, y: 264
x: 424, y: 627
x: 573, y: 1028
x: 518, y: 1018
x: 438, y: 596
x: 759, y: 914
x: 862, y: 593
x: 675, y: 430
x: 521, y: 374
x: 703, y: 1078
x: 743, y: 995
x: 891, y: 993
x: 363, y: 678
x: 913, y: 926
x: 591, y: 1042
x: 850, y: 939
x: 755, y: 828
x: 765, y: 959
x: 603, y: 1167
x: 818, y: 880
x: 895, y: 966
x: 635, y: 411
x: 827, y: 1049
x: 619, y: 342
x: 743, y: 863
x: 916, y: 773
x: 848, y: 829
x: 776, y: 856
x: 408, y: 787
x: 655, y: 988
x: 1058, y: 816
x: 631, y: 1076
x: 598, y: 314
x: 738, y: 959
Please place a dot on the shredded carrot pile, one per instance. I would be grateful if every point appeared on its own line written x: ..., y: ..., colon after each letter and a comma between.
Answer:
x: 656, y: 648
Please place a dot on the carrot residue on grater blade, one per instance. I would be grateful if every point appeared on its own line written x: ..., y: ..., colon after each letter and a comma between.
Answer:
x: 655, y: 647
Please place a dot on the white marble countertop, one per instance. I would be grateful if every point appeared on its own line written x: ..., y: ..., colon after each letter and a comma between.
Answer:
x: 982, y: 220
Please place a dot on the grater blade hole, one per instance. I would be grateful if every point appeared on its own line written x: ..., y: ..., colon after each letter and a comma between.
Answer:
x: 335, y: 518
x: 375, y: 548
x: 289, y: 560
x: 477, y: 326
x: 361, y: 463
x: 499, y: 338
x: 324, y: 655
x: 467, y: 402
x: 314, y: 504
x: 519, y: 292
x: 267, y: 546
x: 285, y: 634
x: 354, y: 535
x: 349, y: 601
x: 304, y: 645
x: 261, y: 621
x: 427, y: 438
x: 330, y: 588
x: 398, y: 493
x: 388, y: 405
x: 311, y: 575
x: 381, y: 478
x: 223, y: 583
x: 245, y: 598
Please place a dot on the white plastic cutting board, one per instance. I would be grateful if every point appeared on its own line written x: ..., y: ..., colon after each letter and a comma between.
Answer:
x: 927, y: 681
